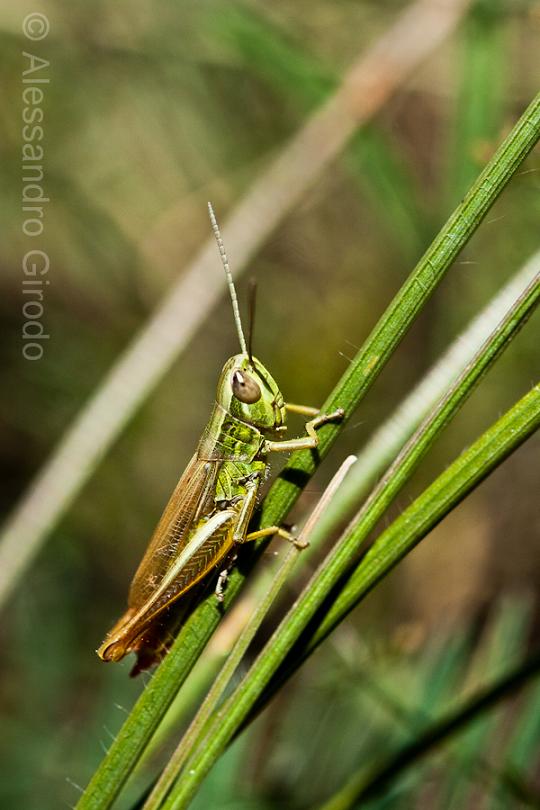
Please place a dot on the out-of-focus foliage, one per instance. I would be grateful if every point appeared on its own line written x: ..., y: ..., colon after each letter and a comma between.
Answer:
x: 150, y: 111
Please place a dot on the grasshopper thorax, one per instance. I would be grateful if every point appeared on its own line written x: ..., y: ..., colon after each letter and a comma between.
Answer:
x: 247, y: 390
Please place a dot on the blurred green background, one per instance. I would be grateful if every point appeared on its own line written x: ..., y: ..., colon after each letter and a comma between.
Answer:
x: 151, y: 110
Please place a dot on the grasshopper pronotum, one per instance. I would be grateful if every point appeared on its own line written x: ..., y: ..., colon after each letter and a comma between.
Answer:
x: 210, y: 509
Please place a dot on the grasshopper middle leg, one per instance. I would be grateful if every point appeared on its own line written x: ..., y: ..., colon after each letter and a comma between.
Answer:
x: 242, y: 536
x: 268, y: 531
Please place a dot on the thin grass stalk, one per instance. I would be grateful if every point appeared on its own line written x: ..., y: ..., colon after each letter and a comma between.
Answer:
x: 364, y: 786
x: 388, y: 333
x: 414, y: 450
x: 368, y: 85
x: 195, y: 732
x: 406, y: 305
x: 338, y: 561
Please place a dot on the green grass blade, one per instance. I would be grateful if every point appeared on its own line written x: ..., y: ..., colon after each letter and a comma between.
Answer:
x: 395, y: 322
x: 406, y: 305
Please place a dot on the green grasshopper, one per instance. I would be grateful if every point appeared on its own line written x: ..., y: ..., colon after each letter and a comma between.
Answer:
x: 208, y: 513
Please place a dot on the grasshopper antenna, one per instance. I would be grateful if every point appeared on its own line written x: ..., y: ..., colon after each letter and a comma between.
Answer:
x: 230, y: 282
x: 252, y: 299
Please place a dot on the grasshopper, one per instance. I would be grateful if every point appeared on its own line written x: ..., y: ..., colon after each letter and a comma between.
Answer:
x: 208, y: 513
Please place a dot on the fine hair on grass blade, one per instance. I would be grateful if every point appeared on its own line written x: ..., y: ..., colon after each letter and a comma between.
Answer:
x: 386, y: 336
x: 194, y: 734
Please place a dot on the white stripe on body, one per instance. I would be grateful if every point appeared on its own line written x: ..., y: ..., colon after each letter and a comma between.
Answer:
x: 200, y: 537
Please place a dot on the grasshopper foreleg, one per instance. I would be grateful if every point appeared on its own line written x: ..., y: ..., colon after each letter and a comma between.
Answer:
x: 308, y: 442
x: 303, y: 410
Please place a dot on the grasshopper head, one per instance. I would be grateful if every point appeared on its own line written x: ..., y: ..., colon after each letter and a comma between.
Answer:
x: 246, y: 389
x: 249, y: 392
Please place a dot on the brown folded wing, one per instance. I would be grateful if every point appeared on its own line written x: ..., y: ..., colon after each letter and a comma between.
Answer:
x: 192, y: 498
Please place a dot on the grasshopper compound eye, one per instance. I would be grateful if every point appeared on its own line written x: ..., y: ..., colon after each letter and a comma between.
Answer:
x: 245, y: 388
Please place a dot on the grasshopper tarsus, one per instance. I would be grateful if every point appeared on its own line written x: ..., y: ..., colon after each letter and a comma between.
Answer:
x: 334, y: 416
